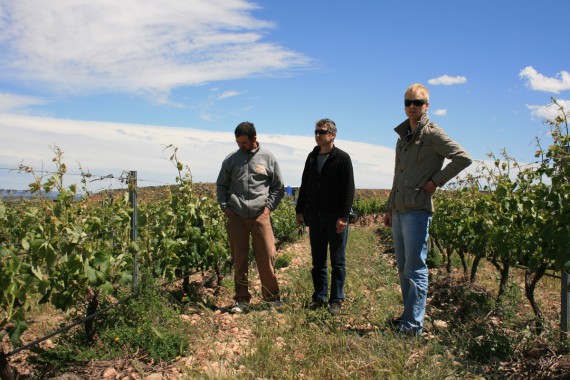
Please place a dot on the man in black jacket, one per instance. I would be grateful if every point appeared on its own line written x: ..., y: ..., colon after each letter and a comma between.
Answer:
x: 324, y: 203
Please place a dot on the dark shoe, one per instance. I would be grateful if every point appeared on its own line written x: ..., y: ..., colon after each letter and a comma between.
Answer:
x: 404, y: 333
x: 316, y: 305
x: 394, y: 322
x: 334, y: 308
x: 277, y: 304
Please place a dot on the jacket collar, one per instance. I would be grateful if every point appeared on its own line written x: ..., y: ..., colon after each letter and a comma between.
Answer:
x: 331, y: 154
x: 251, y: 152
x: 402, y: 129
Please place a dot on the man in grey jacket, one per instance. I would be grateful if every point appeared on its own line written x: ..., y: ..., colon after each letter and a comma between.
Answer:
x: 420, y: 152
x: 249, y: 187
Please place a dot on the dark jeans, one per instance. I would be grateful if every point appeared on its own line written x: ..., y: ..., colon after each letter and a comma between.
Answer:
x: 323, y: 236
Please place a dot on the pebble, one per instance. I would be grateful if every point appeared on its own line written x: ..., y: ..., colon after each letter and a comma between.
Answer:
x: 109, y: 372
x: 154, y: 376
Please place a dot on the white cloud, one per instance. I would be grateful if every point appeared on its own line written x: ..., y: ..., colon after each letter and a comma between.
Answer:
x: 9, y: 102
x: 550, y: 111
x: 440, y: 112
x: 447, y: 80
x: 539, y: 82
x: 109, y: 148
x: 228, y: 94
x: 136, y: 45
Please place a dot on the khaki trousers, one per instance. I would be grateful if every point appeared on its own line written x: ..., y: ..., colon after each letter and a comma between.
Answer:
x: 239, y: 230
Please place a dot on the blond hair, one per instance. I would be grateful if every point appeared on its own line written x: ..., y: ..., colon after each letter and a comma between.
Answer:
x: 417, y: 87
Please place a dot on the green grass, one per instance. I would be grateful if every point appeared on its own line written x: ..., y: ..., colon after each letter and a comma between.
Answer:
x: 356, y: 345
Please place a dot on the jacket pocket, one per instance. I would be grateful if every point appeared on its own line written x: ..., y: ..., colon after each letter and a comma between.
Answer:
x: 414, y: 198
x: 424, y: 150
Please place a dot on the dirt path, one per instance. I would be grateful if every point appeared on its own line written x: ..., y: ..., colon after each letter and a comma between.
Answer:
x: 230, y: 335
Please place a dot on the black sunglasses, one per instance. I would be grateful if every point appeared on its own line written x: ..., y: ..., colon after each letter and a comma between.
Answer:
x: 321, y: 132
x: 415, y: 102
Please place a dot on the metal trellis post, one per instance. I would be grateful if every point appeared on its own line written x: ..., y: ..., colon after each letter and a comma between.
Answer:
x: 134, y: 224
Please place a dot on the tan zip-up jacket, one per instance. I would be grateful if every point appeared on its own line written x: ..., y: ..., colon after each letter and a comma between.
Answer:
x: 420, y: 160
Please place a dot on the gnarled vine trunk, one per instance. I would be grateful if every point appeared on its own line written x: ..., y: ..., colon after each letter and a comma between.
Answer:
x: 92, y: 307
x: 6, y: 371
x: 461, y: 253
x: 530, y: 282
x: 474, y: 267
x: 504, y: 270
x: 443, y: 252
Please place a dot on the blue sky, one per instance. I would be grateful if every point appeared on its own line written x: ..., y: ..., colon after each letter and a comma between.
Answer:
x: 112, y: 83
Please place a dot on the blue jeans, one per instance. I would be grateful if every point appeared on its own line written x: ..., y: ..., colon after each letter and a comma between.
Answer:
x: 410, y: 231
x: 323, y: 236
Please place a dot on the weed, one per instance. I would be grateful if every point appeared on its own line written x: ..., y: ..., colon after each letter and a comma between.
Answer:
x: 489, y: 342
x: 145, y: 326
x: 283, y: 260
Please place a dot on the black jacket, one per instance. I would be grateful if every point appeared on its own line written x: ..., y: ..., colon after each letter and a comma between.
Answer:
x: 332, y: 192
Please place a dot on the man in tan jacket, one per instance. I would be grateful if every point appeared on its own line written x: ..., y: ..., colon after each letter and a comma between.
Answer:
x: 421, y: 150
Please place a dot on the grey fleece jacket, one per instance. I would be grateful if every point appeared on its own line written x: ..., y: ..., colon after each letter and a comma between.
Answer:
x: 419, y: 159
x: 249, y: 182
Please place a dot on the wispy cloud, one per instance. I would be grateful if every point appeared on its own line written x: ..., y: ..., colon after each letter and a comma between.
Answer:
x: 440, y: 112
x: 227, y: 94
x: 447, y: 80
x: 550, y: 111
x: 207, y: 108
x: 539, y: 82
x: 136, y: 45
x: 11, y: 102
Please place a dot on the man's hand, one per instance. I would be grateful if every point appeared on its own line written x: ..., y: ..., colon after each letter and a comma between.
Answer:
x: 300, y: 219
x: 341, y: 224
x: 430, y: 187
x: 388, y: 218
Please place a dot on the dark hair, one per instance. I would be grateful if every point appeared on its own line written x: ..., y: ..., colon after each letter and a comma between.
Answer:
x: 328, y: 123
x: 245, y: 129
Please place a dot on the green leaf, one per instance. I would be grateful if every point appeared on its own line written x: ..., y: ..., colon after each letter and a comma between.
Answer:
x: 15, y: 333
x: 90, y: 274
x: 51, y: 257
x: 36, y: 270
x: 74, y: 263
x: 106, y: 288
x: 37, y: 243
x: 34, y: 187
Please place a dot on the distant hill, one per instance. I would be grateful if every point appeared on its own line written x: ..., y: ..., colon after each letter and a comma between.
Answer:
x: 151, y: 193
x: 372, y: 193
x: 25, y: 194
x: 4, y: 193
